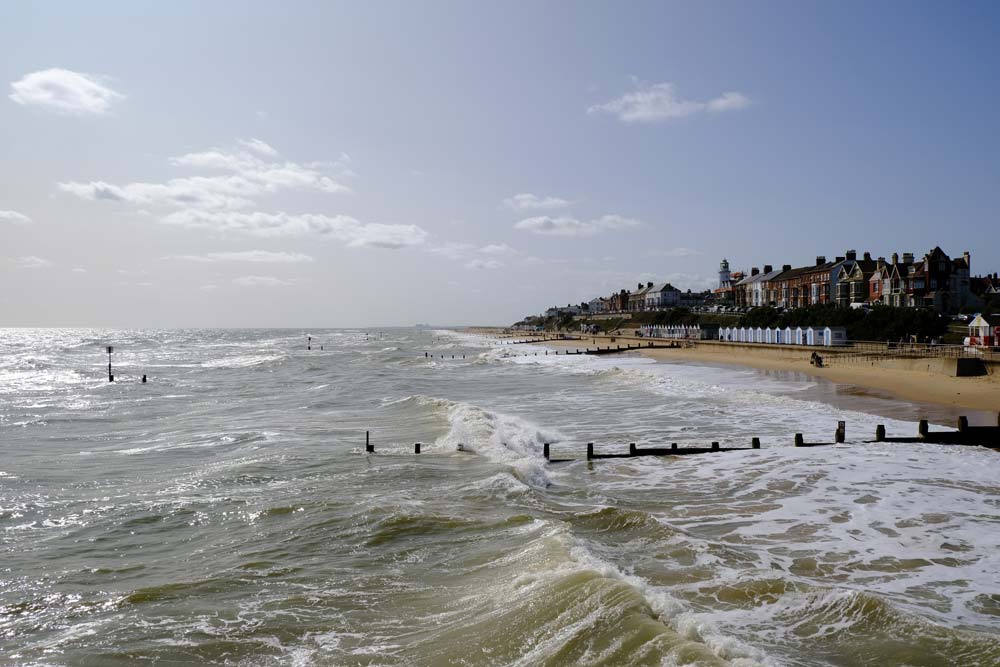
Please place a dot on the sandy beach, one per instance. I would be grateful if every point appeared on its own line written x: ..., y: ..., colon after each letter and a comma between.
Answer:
x: 935, y: 396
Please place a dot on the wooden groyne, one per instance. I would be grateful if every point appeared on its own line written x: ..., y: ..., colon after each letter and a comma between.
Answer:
x: 965, y: 435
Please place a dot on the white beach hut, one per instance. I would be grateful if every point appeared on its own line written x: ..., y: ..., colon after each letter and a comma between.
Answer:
x: 835, y: 336
x: 810, y: 335
x: 769, y: 335
x: 799, y: 336
x: 789, y: 336
x: 758, y: 335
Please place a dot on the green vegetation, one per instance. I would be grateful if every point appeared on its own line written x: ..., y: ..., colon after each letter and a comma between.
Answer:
x: 880, y: 323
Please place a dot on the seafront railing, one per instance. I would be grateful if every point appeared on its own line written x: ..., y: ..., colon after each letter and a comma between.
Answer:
x: 865, y: 351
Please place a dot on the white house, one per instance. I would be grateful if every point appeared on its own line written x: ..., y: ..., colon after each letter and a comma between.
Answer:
x: 663, y: 295
x: 597, y: 305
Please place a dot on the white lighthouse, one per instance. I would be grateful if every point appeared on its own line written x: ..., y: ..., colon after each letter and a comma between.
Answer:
x: 724, y: 278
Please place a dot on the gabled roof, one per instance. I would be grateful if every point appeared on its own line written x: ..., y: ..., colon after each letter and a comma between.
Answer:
x: 978, y: 322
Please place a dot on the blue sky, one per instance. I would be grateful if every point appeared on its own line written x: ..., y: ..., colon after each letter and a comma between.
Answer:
x: 333, y: 164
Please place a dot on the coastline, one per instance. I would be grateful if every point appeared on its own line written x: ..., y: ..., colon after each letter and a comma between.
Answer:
x: 939, y: 398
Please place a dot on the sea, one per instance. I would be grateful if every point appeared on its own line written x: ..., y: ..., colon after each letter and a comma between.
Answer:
x: 226, y: 511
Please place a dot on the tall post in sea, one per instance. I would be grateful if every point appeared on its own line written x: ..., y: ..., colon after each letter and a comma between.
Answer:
x: 111, y: 376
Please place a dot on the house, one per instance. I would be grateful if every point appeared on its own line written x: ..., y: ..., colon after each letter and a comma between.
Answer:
x: 662, y: 296
x: 618, y: 301
x: 637, y: 299
x: 597, y: 305
x: 850, y: 281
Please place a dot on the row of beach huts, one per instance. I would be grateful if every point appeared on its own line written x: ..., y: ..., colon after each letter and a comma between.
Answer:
x: 815, y: 336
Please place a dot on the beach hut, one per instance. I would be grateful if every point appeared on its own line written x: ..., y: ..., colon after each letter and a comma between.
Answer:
x: 758, y: 335
x: 789, y: 336
x: 835, y: 336
x: 980, y: 332
x: 810, y: 335
x: 799, y: 336
x: 746, y: 335
x: 769, y: 335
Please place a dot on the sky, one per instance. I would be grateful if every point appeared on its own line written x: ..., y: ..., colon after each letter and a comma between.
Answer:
x: 328, y: 164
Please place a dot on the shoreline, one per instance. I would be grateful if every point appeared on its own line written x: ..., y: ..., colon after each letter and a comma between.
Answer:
x: 939, y: 398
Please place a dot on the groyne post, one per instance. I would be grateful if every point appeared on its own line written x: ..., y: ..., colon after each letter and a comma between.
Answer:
x: 545, y: 450
x: 631, y: 449
x: 111, y: 376
x: 416, y: 448
x: 144, y: 378
x: 841, y: 434
x: 963, y: 424
x: 880, y: 433
x: 922, y: 428
x: 755, y: 443
x: 799, y: 441
x: 715, y: 446
x: 369, y: 447
x: 673, y: 445
x: 590, y: 450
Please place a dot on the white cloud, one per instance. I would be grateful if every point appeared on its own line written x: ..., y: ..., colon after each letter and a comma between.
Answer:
x: 13, y: 217
x: 258, y: 146
x: 526, y: 201
x: 31, y: 262
x: 340, y: 227
x: 485, y: 264
x: 498, y: 249
x: 249, y: 177
x: 220, y: 202
x: 209, y: 288
x: 659, y: 101
x: 64, y: 91
x: 730, y: 101
x: 261, y: 256
x: 674, y: 252
x: 571, y: 227
x: 79, y: 270
x: 261, y: 281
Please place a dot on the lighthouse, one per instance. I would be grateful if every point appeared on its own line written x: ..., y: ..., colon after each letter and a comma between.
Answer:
x: 725, y: 281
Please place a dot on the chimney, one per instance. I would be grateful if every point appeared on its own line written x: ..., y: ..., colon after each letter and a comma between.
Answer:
x: 868, y: 256
x: 649, y: 284
x: 880, y: 264
x: 820, y: 259
x: 895, y: 258
x: 839, y: 259
x: 852, y: 255
x: 640, y: 286
x: 786, y: 267
x: 754, y: 271
x: 968, y: 259
x: 907, y: 258
x: 768, y: 268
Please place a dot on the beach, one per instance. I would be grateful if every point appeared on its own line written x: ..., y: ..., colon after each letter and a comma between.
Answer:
x: 938, y: 397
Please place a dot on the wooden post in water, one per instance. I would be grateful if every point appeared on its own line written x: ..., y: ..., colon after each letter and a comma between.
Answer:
x: 755, y: 443
x: 922, y: 428
x: 673, y: 445
x: 799, y: 442
x: 590, y: 450
x: 370, y: 448
x: 309, y: 343
x: 144, y: 379
x: 841, y: 434
x: 715, y: 446
x: 111, y: 376
x: 880, y: 433
x: 963, y: 423
x: 416, y: 448
x: 545, y: 450
x: 631, y: 449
